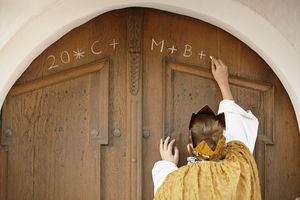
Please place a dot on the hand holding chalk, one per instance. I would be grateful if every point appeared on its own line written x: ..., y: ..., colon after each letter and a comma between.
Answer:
x: 219, y: 71
x: 220, y: 74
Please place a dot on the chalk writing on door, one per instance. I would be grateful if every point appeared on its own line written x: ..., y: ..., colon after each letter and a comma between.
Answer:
x: 77, y: 54
x: 186, y: 51
x: 161, y: 46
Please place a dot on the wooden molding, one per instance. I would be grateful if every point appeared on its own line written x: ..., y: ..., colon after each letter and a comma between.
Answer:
x: 205, y: 73
x: 57, y: 77
x: 134, y: 48
x: 99, y: 105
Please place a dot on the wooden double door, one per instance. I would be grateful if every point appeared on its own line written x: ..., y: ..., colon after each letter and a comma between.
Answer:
x: 84, y: 120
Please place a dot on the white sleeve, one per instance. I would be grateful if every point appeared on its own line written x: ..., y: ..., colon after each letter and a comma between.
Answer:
x: 240, y: 125
x: 160, y: 171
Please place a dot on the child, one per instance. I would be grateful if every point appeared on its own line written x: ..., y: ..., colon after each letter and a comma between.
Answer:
x: 221, y: 165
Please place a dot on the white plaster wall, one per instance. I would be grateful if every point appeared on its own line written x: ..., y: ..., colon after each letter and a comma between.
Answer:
x: 28, y: 27
x: 284, y: 15
x: 14, y: 14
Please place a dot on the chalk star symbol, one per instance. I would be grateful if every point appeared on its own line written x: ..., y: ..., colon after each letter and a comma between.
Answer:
x: 114, y: 44
x: 172, y: 49
x: 79, y: 53
x: 201, y: 54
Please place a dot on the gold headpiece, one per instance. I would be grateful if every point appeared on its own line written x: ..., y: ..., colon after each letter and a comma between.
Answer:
x: 202, y: 151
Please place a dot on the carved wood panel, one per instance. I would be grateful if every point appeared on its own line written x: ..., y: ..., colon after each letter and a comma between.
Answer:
x: 55, y: 133
x: 188, y: 88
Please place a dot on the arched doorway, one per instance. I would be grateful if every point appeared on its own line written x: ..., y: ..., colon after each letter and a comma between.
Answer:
x: 93, y: 106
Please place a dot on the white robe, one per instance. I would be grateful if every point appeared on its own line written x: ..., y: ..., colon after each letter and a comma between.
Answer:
x: 241, y: 125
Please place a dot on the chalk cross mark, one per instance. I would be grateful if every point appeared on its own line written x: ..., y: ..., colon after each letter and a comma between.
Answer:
x: 201, y: 54
x: 114, y: 44
x: 172, y: 49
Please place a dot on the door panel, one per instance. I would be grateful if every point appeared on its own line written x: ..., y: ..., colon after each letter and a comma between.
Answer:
x: 59, y: 157
x: 84, y: 120
x: 105, y: 161
x: 177, y: 81
x: 186, y: 90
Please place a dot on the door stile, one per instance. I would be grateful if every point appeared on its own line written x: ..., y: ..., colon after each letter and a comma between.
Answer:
x: 134, y: 103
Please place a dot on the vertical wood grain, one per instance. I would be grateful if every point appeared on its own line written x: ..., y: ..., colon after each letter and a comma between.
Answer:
x: 134, y: 102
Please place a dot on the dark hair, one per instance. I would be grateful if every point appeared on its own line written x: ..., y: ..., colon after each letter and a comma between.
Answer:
x: 206, y: 127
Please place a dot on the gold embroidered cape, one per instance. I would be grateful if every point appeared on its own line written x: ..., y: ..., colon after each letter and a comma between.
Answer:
x: 234, y: 177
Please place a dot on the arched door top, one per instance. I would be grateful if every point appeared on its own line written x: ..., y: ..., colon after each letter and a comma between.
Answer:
x: 249, y: 27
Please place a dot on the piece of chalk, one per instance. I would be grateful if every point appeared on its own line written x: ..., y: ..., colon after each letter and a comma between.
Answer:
x: 210, y: 57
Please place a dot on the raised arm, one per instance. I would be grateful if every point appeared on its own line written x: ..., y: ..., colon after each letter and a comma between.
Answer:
x: 240, y: 125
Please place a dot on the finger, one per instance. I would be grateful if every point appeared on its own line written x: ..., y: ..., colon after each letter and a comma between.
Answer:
x: 222, y: 63
x: 176, y: 153
x: 166, y: 142
x: 170, y: 146
x: 217, y: 63
x: 213, y: 68
x: 161, y: 145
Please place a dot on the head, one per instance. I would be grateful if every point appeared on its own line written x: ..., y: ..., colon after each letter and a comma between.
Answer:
x: 205, y: 126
